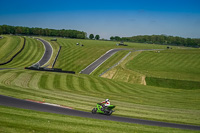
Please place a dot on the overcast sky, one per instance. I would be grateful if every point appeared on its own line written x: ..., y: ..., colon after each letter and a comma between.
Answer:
x: 107, y: 18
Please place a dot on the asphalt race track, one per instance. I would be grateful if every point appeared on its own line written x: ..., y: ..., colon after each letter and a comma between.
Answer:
x: 99, y: 61
x: 48, y: 52
x: 13, y: 102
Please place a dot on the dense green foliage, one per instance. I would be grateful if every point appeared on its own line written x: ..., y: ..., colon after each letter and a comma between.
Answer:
x: 160, y: 39
x: 25, y: 121
x: 91, y: 36
x: 6, y: 29
x: 97, y: 37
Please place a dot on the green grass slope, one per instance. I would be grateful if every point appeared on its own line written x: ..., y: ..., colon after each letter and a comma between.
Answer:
x: 24, y: 121
x: 121, y: 73
x: 9, y: 46
x: 31, y: 54
x: 169, y: 68
x: 75, y: 58
x: 171, y: 64
x: 82, y: 92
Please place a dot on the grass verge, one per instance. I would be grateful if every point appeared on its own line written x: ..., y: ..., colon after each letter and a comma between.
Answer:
x: 24, y: 121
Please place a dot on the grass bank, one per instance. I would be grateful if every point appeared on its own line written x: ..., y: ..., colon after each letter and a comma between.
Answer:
x: 9, y: 46
x: 77, y: 91
x: 32, y: 53
x: 172, y: 83
x: 168, y: 64
x: 75, y: 57
x: 24, y: 121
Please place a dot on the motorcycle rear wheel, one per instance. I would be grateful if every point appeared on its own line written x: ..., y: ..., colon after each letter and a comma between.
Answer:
x: 94, y: 110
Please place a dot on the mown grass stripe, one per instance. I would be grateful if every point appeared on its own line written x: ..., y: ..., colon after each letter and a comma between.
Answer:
x: 34, y: 83
x: 10, y: 48
x: 29, y: 55
x: 42, y: 82
x: 69, y: 82
x: 56, y: 81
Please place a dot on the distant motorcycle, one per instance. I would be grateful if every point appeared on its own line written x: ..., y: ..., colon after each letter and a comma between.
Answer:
x: 106, y: 110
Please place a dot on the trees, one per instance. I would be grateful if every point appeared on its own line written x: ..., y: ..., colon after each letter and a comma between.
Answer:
x: 112, y: 38
x: 91, y: 36
x: 97, y: 37
x: 116, y: 38
x: 6, y: 29
x: 1, y: 30
x: 160, y: 39
x: 80, y: 36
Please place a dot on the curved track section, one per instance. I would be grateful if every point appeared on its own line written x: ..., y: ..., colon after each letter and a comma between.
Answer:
x: 48, y: 52
x: 89, y: 69
x: 14, y: 102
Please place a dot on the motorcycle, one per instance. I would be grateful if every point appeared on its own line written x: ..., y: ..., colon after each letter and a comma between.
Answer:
x: 106, y: 110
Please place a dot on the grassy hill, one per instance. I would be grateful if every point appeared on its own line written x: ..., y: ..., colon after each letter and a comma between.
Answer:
x: 150, y: 101
x: 169, y: 68
x: 77, y: 91
x: 9, y: 46
x: 178, y: 68
x: 171, y: 64
x: 32, y: 53
x: 75, y: 57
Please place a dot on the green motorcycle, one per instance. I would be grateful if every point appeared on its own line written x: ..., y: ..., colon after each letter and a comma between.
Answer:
x: 106, y: 110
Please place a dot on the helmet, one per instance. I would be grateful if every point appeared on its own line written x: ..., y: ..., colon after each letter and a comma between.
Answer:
x: 107, y: 100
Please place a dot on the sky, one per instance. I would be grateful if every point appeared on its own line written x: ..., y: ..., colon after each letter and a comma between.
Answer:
x: 124, y: 18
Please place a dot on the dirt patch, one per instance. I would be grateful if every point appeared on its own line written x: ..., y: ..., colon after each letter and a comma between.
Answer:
x: 143, y: 81
x: 109, y: 74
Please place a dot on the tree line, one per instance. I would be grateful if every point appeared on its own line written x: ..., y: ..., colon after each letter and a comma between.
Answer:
x: 160, y: 39
x: 6, y: 29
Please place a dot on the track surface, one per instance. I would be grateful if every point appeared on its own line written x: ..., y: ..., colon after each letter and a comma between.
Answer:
x: 13, y: 102
x: 48, y: 52
x: 99, y: 61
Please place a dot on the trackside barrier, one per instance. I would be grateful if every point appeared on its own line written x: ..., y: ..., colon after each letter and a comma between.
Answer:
x: 16, y: 53
x: 56, y: 57
x: 50, y: 70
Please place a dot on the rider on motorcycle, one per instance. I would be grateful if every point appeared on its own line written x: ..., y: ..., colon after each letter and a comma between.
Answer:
x: 105, y: 104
